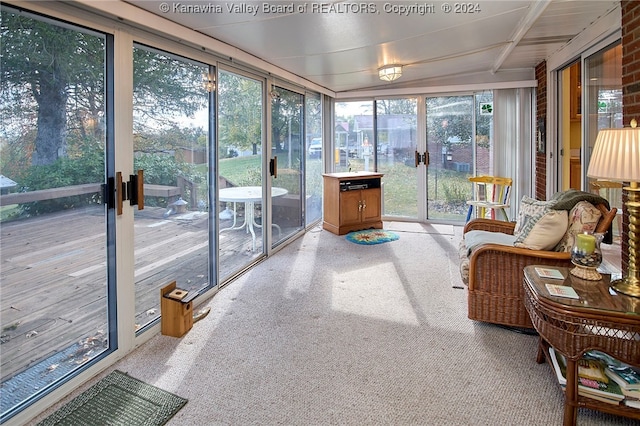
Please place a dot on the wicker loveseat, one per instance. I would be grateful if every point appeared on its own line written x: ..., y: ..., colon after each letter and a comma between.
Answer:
x: 494, y: 272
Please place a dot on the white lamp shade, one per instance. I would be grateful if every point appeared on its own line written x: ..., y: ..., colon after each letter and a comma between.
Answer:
x: 390, y: 72
x: 616, y: 155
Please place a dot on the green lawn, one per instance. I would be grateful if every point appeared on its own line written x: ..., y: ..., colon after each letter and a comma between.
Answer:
x: 9, y: 212
x: 400, y: 184
x: 241, y: 171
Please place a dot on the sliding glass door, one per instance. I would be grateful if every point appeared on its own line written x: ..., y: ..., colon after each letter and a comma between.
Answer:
x: 56, y: 280
x: 603, y: 103
x: 171, y: 138
x: 240, y: 171
x: 460, y: 145
x: 450, y: 144
x: 394, y: 153
x: 287, y: 190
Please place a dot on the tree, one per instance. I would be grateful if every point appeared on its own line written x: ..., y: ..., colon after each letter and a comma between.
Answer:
x: 401, y: 106
x: 52, y: 79
x: 313, y: 115
x: 286, y: 116
x: 48, y: 63
x: 239, y: 112
x: 165, y: 89
x: 450, y: 118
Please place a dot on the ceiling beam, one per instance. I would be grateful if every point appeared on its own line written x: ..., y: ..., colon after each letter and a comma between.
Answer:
x: 537, y: 7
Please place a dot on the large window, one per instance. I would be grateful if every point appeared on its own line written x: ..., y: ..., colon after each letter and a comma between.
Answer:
x: 384, y: 136
x: 353, y: 132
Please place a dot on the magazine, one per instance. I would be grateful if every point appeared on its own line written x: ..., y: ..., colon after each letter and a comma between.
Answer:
x: 625, y: 375
x: 607, y: 392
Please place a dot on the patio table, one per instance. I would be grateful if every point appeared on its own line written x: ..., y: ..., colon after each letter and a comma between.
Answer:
x: 249, y: 195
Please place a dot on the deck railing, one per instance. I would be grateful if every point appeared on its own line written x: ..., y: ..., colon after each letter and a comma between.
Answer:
x: 150, y: 190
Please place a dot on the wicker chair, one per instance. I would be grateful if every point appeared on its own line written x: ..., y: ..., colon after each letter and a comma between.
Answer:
x: 496, y: 292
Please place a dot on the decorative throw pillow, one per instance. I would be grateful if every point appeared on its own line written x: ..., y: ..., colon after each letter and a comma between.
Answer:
x: 539, y: 227
x: 530, y: 212
x: 583, y: 217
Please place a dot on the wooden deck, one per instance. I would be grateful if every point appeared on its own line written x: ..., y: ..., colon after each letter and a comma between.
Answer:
x: 53, y: 277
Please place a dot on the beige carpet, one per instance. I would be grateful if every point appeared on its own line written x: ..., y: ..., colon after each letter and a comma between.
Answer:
x: 327, y: 332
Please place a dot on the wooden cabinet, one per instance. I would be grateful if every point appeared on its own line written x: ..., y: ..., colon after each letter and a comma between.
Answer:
x: 352, y: 201
x: 575, y: 93
x: 575, y: 173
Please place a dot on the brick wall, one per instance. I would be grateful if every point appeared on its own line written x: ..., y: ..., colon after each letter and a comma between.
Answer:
x: 630, y: 60
x: 630, y: 90
x: 541, y: 114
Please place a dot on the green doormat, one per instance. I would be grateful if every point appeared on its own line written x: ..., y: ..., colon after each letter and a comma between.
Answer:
x: 118, y: 399
x: 371, y: 236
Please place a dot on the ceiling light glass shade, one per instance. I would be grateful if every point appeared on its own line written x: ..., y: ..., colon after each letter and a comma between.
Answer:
x: 390, y: 72
x: 208, y: 82
x: 616, y: 155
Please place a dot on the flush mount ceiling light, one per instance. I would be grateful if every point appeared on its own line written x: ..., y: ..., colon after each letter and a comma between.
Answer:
x: 390, y: 72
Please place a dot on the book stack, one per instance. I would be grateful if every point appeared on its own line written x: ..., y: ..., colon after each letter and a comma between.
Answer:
x: 592, y: 380
x: 629, y: 380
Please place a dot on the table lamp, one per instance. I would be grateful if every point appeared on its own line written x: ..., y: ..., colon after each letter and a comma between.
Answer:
x: 616, y: 156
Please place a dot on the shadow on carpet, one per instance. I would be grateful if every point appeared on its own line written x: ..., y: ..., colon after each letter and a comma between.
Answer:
x: 118, y: 399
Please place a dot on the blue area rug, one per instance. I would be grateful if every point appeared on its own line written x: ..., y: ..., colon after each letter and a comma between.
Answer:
x: 372, y: 236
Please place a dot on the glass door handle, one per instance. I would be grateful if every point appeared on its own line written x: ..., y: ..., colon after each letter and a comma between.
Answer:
x: 120, y: 193
x: 422, y: 158
x: 135, y: 189
x: 108, y: 193
x: 132, y: 191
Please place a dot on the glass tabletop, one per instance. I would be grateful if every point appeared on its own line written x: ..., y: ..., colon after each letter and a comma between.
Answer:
x: 568, y: 290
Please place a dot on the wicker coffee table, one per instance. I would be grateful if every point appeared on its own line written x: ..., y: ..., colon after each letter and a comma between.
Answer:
x: 600, y: 320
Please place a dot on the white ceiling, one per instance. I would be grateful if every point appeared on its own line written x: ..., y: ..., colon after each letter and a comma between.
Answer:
x: 342, y: 50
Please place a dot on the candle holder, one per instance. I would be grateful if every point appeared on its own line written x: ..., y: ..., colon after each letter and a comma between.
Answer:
x: 587, y: 256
